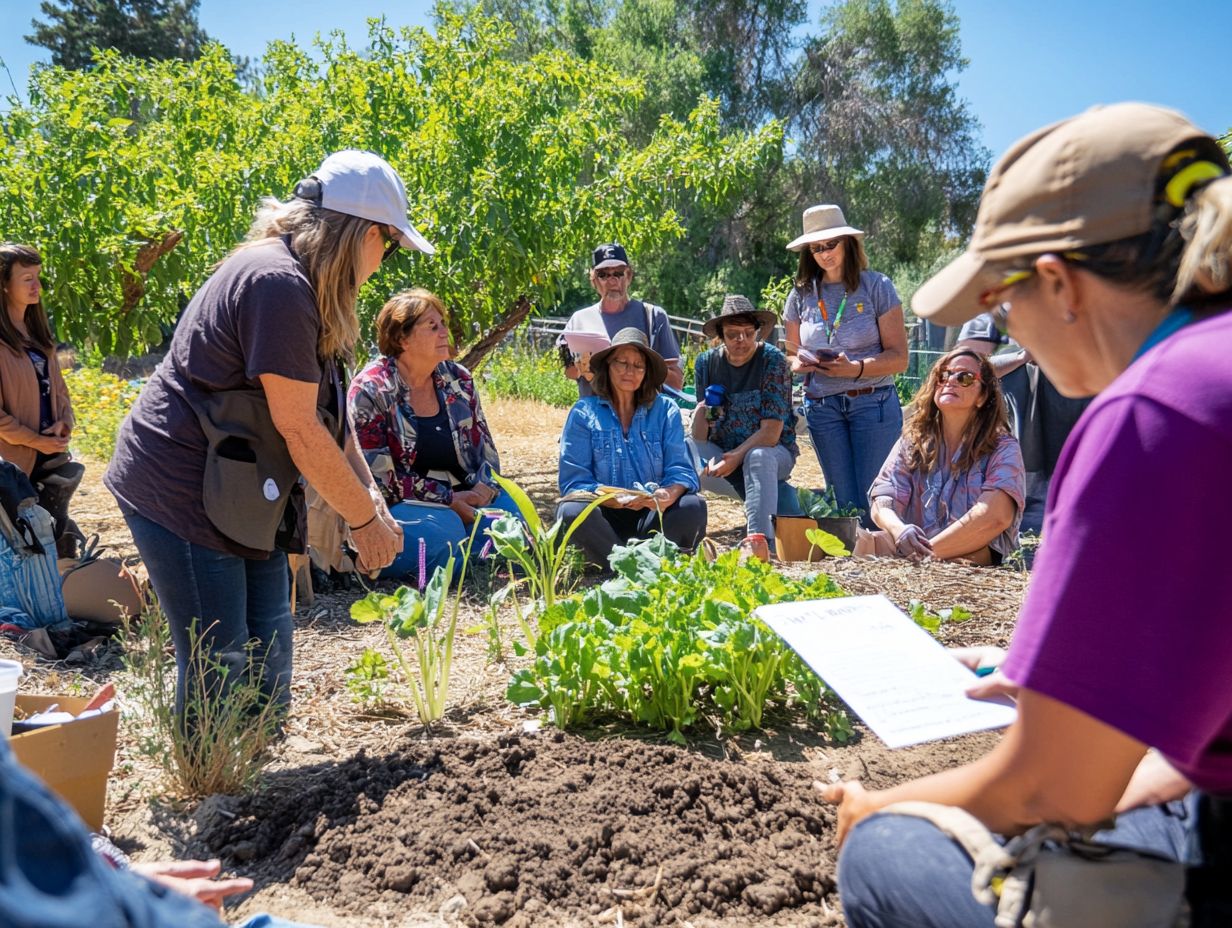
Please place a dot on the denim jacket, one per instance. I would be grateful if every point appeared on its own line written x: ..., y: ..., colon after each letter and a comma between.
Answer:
x: 595, y: 451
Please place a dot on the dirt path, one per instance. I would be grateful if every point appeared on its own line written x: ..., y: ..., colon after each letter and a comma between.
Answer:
x: 369, y: 821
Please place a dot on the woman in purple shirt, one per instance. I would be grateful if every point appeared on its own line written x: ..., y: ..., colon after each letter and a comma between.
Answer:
x: 1105, y: 244
x: 953, y: 485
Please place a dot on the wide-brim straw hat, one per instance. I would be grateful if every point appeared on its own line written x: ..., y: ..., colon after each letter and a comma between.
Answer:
x: 656, y: 367
x: 1087, y: 180
x: 825, y: 222
x: 736, y: 305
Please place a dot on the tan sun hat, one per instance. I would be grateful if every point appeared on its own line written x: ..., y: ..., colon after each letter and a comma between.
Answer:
x: 736, y: 305
x: 656, y: 367
x: 826, y: 222
x: 1087, y: 180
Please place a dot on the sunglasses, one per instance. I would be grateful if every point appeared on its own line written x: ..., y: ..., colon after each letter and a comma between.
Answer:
x: 391, y: 243
x: 629, y: 367
x: 605, y: 275
x: 818, y: 248
x: 964, y: 378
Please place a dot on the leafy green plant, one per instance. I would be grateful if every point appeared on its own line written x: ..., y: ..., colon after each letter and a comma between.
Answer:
x: 669, y: 641
x: 830, y: 544
x: 824, y: 505
x: 219, y: 744
x: 424, y: 618
x: 520, y: 369
x: 367, y: 678
x: 100, y: 403
x: 930, y: 621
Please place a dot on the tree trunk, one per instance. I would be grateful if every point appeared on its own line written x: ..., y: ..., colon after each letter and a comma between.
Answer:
x: 133, y: 285
x: 479, y: 350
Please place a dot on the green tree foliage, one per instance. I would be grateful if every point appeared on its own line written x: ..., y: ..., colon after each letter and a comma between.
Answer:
x: 141, y: 28
x: 134, y: 178
x: 880, y: 127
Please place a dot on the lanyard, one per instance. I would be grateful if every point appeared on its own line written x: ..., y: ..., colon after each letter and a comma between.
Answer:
x: 838, y: 316
x: 1171, y: 324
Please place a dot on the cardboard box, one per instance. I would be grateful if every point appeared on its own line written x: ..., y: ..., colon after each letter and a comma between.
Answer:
x: 75, y: 758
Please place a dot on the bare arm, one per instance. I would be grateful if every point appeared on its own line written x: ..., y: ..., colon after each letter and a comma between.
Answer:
x: 991, y: 515
x: 885, y: 516
x: 1055, y: 764
x: 324, y: 465
x: 766, y: 436
x: 700, y: 428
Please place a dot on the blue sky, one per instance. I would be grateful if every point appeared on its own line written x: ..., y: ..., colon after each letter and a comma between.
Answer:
x: 1031, y: 61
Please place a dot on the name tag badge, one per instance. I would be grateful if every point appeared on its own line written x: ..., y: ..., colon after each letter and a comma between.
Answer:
x: 270, y: 489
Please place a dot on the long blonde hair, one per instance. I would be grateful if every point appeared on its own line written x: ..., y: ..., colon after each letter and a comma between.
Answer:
x: 1206, y: 261
x: 330, y: 246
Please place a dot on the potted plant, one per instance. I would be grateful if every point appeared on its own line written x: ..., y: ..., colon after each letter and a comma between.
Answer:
x: 821, y: 511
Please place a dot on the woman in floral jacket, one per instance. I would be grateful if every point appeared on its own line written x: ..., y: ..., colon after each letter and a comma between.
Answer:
x: 420, y: 426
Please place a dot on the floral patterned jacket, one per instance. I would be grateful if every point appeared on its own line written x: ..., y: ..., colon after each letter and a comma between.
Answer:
x: 379, y: 404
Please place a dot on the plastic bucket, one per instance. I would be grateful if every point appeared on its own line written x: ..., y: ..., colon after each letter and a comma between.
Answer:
x: 10, y: 673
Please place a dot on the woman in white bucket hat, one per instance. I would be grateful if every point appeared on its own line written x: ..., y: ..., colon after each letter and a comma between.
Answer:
x: 845, y: 330
x: 251, y: 397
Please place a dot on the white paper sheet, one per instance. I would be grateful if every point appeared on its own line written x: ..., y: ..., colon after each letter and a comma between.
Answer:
x: 892, y: 673
x: 584, y: 344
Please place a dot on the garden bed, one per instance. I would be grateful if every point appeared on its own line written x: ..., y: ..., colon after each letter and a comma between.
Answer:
x: 365, y: 819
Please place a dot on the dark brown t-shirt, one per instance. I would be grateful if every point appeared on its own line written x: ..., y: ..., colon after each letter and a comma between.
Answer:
x: 257, y: 314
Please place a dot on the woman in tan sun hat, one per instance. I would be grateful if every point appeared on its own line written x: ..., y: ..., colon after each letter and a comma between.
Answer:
x: 1104, y: 242
x: 845, y: 330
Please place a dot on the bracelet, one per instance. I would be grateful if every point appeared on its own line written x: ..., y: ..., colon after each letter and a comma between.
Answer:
x: 357, y: 528
x: 861, y: 374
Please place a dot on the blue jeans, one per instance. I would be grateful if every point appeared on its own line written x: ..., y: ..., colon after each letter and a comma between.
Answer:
x: 852, y: 436
x: 897, y: 871
x: 763, y: 472
x: 443, y: 533
x: 227, y: 601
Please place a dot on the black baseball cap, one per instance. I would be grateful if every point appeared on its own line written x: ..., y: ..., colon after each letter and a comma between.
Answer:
x: 609, y: 255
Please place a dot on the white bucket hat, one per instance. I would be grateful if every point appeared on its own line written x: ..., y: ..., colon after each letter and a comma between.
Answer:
x: 826, y: 222
x: 360, y: 183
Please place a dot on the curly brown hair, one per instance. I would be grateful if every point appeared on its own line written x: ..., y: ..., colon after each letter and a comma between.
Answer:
x: 922, y: 430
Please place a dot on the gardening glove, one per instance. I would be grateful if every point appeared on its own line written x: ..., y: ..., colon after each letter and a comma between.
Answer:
x: 912, y: 542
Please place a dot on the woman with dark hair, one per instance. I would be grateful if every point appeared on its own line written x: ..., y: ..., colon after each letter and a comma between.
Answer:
x: 36, y: 414
x: 845, y: 329
x: 1104, y: 243
x: 628, y: 436
x: 953, y: 485
x: 420, y: 426
x: 250, y: 398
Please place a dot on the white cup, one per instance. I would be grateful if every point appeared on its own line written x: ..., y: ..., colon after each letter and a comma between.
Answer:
x: 10, y: 673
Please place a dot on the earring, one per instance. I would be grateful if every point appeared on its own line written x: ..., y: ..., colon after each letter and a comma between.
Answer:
x: 1069, y: 318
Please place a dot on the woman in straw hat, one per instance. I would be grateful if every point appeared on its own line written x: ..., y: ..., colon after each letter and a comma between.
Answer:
x: 748, y: 438
x: 249, y: 398
x: 630, y: 436
x: 1105, y: 244
x: 845, y: 326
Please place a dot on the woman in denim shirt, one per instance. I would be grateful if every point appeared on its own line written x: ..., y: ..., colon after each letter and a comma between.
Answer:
x: 629, y: 436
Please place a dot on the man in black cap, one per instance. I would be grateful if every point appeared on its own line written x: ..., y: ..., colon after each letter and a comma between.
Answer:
x: 611, y: 275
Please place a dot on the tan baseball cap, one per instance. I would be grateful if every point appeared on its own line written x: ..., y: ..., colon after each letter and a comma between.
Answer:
x: 1086, y: 180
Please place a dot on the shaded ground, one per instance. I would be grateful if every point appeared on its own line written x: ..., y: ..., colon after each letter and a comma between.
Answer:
x: 367, y: 820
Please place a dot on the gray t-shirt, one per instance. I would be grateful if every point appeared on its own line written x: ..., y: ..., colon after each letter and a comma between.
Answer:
x: 594, y: 320
x: 855, y: 331
x: 257, y: 314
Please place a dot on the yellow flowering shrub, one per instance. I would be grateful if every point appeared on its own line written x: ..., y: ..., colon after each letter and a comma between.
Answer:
x: 100, y: 403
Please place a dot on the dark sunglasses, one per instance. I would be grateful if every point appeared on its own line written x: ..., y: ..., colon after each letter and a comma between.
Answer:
x: 604, y: 275
x: 391, y: 243
x: 964, y: 378
x: 822, y: 247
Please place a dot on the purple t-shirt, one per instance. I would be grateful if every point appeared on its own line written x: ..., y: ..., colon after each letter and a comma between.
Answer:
x: 257, y: 314
x: 1129, y: 613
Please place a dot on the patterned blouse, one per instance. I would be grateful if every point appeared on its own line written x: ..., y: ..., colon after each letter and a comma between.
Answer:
x: 936, y: 500
x: 380, y: 409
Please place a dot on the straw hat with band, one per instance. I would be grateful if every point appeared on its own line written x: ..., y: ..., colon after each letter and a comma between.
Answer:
x: 656, y: 367
x: 1088, y: 180
x: 738, y: 308
x: 822, y: 223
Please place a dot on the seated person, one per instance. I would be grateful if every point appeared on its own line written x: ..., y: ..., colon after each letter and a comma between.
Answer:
x: 420, y: 426
x: 953, y: 485
x: 627, y: 435
x: 1040, y: 417
x: 746, y: 443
